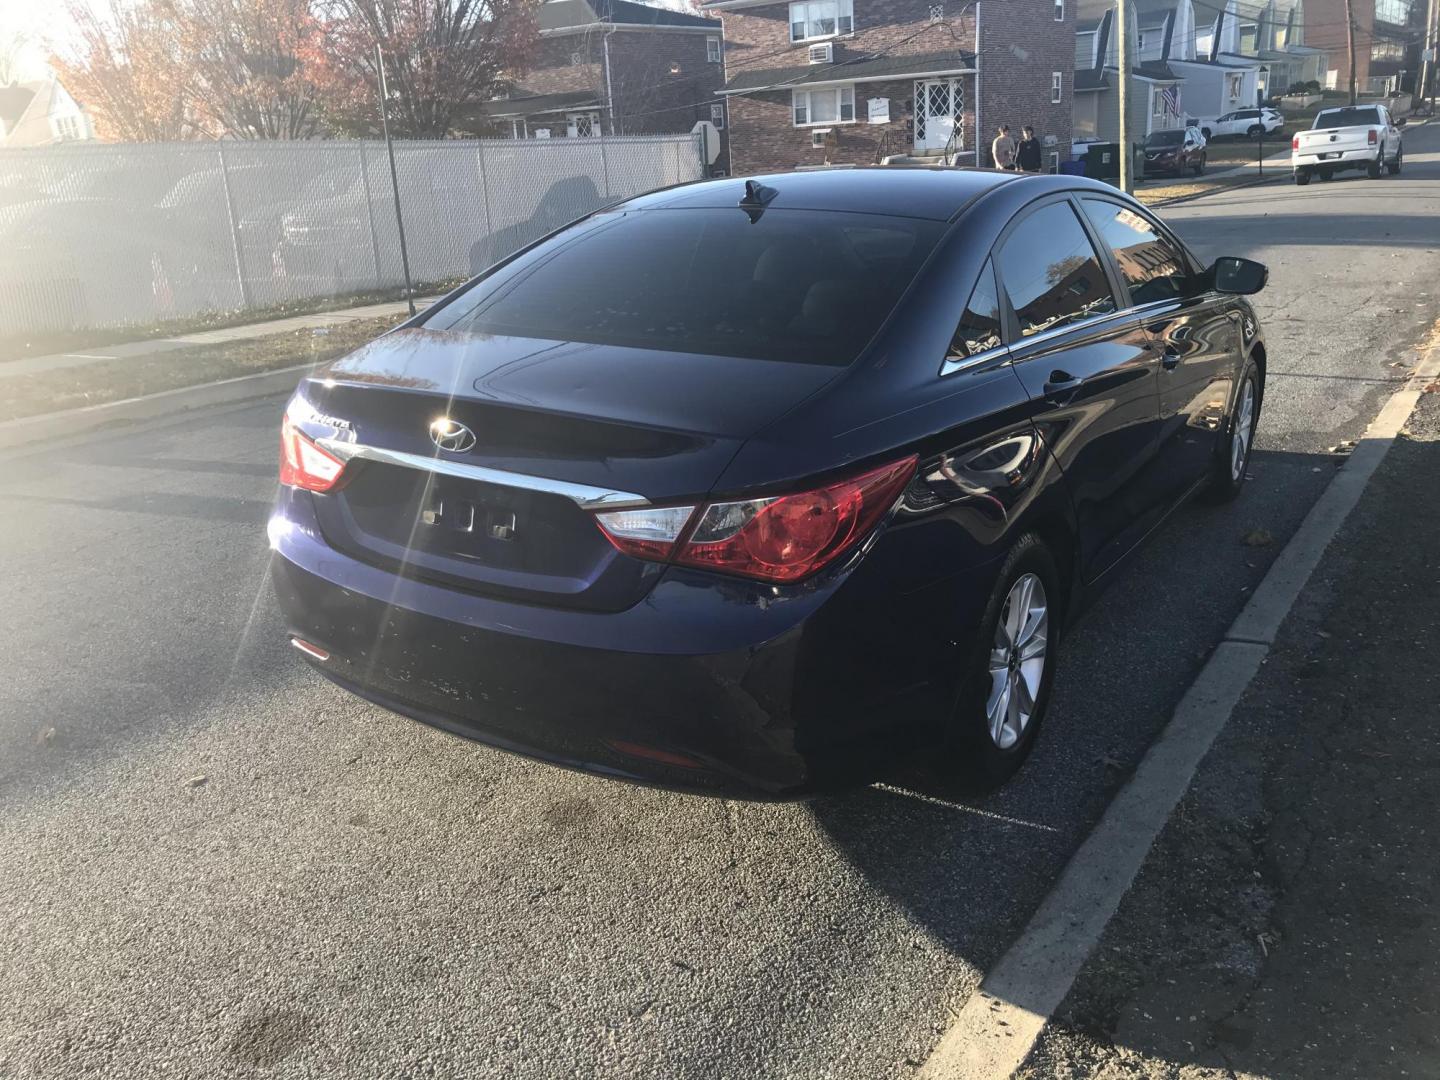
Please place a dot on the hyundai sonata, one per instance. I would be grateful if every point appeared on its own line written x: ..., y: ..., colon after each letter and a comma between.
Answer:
x: 750, y: 486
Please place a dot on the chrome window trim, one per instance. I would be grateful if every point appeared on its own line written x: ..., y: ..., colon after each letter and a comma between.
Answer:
x: 582, y: 495
x: 1119, y: 319
x: 963, y: 363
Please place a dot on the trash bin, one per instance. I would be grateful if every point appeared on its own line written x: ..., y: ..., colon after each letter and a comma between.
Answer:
x: 1072, y: 168
x: 1102, y: 162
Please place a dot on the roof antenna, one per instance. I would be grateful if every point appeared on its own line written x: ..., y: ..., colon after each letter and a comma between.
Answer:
x: 757, y: 195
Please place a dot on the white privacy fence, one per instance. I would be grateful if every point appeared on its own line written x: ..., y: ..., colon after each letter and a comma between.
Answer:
x: 106, y: 235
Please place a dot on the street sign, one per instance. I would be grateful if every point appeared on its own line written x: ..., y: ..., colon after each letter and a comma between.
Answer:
x: 712, y: 139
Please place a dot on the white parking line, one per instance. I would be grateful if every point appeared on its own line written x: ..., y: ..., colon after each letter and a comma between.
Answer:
x: 998, y: 1025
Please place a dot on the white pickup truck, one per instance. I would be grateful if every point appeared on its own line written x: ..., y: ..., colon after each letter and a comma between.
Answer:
x: 1350, y: 137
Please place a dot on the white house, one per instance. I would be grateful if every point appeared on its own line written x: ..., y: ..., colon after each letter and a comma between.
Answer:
x: 41, y: 114
x: 1218, y: 79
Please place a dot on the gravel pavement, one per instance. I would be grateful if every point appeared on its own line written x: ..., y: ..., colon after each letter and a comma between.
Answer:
x: 212, y: 863
x: 1284, y: 925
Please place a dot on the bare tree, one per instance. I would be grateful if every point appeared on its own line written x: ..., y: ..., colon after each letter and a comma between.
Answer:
x: 129, y: 71
x: 439, y: 56
x: 13, y: 45
x: 253, y: 65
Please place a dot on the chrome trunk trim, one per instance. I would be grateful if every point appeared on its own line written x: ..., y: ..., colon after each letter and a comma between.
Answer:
x: 582, y: 495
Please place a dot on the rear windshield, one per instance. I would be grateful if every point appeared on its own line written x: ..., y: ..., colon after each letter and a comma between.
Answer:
x: 798, y: 285
x: 1164, y: 138
x: 1334, y: 118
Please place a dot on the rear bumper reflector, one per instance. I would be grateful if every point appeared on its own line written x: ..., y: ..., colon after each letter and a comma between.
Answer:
x: 309, y: 649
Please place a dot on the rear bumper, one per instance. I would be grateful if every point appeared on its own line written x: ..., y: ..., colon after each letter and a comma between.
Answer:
x: 719, y: 689
x: 1346, y: 159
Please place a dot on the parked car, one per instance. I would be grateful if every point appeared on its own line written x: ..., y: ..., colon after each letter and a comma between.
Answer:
x: 1175, y: 151
x: 750, y: 486
x: 1353, y: 137
x: 1249, y: 123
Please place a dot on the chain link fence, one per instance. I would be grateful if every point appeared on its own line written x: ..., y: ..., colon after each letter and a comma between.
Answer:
x: 105, y: 235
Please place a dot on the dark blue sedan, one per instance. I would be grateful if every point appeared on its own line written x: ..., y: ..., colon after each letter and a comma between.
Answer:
x: 749, y: 486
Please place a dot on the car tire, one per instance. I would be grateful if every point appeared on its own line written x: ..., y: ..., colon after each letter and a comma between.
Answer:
x: 989, y: 734
x: 1302, y: 177
x: 1393, y: 167
x: 1372, y: 169
x: 1232, y: 453
x: 1256, y: 130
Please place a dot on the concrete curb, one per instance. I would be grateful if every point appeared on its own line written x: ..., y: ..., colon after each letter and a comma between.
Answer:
x: 997, y: 1027
x: 72, y: 422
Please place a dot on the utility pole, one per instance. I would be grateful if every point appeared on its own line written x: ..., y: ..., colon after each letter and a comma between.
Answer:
x: 1427, y: 67
x: 1122, y: 31
x: 394, y: 179
x: 1350, y: 37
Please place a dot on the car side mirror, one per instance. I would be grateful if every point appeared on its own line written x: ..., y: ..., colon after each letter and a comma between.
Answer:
x: 1230, y: 274
x: 1400, y: 122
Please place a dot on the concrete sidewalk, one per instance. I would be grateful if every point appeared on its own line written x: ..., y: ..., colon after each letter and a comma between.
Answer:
x: 32, y: 365
x: 1285, y: 923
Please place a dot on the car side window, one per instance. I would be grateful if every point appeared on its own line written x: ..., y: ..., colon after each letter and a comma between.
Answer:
x: 1051, y: 272
x: 979, y: 329
x: 1151, y: 265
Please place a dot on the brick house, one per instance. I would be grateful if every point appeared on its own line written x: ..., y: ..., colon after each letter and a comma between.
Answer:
x: 614, y: 67
x: 815, y: 82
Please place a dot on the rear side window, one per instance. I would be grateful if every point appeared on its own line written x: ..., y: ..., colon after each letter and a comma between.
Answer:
x: 1051, y: 272
x: 979, y: 329
x: 800, y: 285
x: 1151, y: 265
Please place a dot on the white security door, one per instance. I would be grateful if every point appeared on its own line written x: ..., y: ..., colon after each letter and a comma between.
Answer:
x: 938, y: 105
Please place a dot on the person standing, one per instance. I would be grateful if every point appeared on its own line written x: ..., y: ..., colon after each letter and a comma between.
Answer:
x: 1027, y: 154
x: 1003, y: 148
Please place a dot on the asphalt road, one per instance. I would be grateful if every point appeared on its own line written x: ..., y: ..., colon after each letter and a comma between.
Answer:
x: 348, y: 893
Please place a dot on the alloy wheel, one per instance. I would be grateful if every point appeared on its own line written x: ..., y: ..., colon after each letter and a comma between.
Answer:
x: 1244, y: 429
x: 1017, y: 661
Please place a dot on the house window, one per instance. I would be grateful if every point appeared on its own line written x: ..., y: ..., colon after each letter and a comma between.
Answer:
x: 582, y: 125
x: 717, y: 117
x: 813, y: 19
x: 1059, y: 10
x: 1054, y: 161
x: 937, y: 13
x: 812, y: 107
x: 712, y: 49
x: 66, y: 127
x: 1057, y: 85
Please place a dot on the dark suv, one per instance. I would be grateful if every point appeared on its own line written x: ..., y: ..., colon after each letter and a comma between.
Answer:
x: 1172, y: 152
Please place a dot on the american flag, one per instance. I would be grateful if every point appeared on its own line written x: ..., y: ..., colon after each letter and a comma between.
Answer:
x: 1171, y: 96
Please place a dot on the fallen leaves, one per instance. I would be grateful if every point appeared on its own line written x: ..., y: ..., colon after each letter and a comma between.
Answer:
x: 1258, y: 538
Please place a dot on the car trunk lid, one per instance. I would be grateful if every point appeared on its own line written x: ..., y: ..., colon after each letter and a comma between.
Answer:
x: 556, y: 430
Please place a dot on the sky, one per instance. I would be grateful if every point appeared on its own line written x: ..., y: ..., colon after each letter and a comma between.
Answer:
x: 36, y: 21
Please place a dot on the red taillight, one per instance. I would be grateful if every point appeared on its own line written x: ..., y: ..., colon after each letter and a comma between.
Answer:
x: 1295, y: 143
x: 780, y: 538
x: 303, y: 464
x: 1372, y: 137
